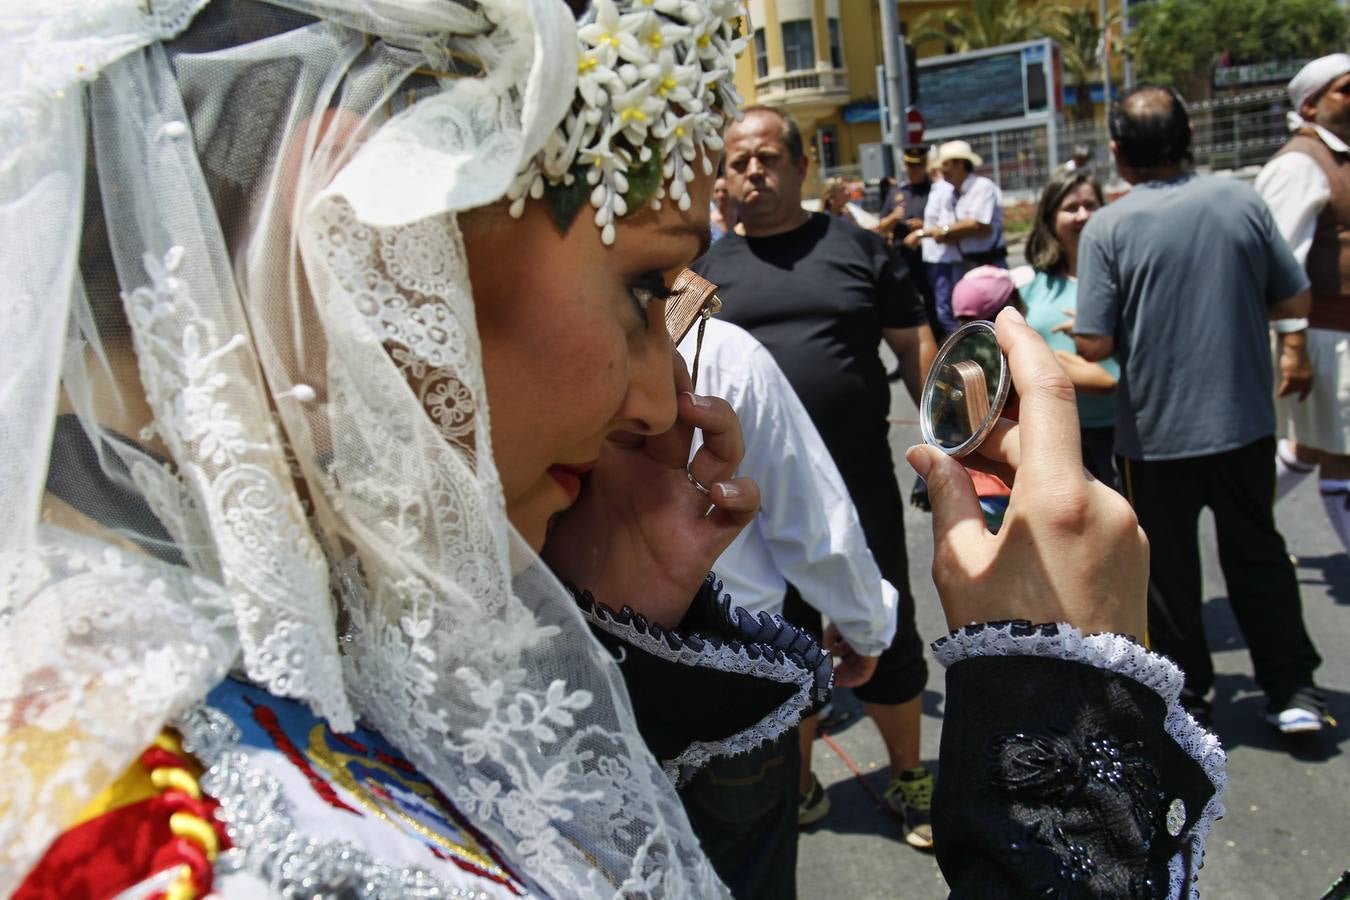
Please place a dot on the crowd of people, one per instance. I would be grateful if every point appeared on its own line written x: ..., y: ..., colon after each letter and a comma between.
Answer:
x: 1102, y: 290
x: 386, y: 515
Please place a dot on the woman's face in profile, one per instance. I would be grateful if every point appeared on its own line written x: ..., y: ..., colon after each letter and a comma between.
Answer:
x: 574, y: 341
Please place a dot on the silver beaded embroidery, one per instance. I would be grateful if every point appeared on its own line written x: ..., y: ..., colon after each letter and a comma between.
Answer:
x: 266, y: 842
x: 1176, y: 817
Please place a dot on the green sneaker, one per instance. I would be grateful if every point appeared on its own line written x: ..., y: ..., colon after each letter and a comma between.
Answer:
x: 911, y: 797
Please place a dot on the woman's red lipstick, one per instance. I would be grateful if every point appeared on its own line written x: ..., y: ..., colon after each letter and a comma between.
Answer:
x: 569, y: 478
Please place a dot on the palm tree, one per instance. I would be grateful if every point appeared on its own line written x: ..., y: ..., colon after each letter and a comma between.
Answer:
x: 1080, y: 47
x: 977, y: 24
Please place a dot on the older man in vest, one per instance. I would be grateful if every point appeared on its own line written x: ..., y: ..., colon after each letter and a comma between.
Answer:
x: 1307, y: 185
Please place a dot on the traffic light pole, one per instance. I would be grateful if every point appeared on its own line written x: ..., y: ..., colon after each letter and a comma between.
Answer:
x: 897, y: 80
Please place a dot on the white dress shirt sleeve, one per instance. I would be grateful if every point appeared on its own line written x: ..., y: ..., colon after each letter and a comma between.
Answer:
x: 1296, y: 189
x: 940, y: 210
x: 806, y: 520
x: 982, y: 201
x: 978, y: 202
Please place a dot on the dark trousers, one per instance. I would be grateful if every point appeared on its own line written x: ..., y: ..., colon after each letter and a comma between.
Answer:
x: 901, y: 671
x: 919, y: 276
x: 1097, y: 456
x: 744, y: 811
x: 942, y: 280
x: 1239, y: 488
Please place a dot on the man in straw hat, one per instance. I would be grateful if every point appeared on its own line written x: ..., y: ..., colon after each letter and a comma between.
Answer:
x: 978, y: 209
x: 1307, y: 186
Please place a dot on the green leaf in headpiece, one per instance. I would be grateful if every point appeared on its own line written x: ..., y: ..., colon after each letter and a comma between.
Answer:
x: 644, y: 180
x: 565, y: 200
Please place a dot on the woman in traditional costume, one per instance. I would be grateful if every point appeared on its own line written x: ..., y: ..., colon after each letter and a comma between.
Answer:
x: 323, y: 319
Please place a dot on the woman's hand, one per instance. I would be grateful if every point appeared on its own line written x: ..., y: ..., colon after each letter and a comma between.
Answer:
x: 1296, y: 373
x: 1066, y: 327
x: 1088, y: 378
x: 853, y: 669
x: 1070, y: 549
x: 641, y: 534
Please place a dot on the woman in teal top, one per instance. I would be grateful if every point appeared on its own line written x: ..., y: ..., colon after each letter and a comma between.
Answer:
x: 1049, y: 288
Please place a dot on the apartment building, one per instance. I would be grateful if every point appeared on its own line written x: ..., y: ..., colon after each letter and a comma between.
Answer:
x: 817, y: 59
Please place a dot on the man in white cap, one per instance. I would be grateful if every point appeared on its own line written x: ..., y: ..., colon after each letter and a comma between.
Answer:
x: 978, y: 210
x: 1307, y: 186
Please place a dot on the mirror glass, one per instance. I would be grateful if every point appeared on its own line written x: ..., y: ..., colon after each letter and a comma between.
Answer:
x: 965, y: 390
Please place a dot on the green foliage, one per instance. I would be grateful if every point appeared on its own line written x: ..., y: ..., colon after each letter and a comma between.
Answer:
x: 566, y: 200
x: 1080, y: 40
x: 644, y: 180
x: 977, y: 24
x: 1179, y: 41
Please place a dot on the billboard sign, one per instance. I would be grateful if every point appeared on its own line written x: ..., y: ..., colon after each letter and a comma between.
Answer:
x: 1013, y: 86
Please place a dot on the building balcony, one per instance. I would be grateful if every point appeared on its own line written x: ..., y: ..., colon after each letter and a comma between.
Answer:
x: 804, y: 90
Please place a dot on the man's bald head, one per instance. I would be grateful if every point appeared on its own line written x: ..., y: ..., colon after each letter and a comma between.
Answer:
x: 791, y: 133
x: 1151, y: 129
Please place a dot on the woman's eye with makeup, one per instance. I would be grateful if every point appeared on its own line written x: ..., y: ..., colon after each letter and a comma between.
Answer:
x: 645, y: 290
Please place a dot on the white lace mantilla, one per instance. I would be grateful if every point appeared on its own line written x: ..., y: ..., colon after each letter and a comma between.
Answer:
x: 191, y: 244
x: 1123, y: 656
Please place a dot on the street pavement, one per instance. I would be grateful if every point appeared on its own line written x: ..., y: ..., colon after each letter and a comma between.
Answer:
x: 1287, y: 832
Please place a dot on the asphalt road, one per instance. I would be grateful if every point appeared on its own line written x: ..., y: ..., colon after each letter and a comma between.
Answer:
x: 1287, y: 832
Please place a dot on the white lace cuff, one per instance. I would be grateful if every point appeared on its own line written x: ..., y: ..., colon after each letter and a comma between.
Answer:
x: 1125, y: 656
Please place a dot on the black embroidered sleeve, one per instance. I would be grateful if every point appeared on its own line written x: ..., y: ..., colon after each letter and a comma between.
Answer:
x: 1059, y: 779
x: 720, y: 684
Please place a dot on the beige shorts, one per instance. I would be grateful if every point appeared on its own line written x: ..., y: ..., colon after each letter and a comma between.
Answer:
x: 1323, y: 420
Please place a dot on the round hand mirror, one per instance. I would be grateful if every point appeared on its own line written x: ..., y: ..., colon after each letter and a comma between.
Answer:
x: 965, y: 390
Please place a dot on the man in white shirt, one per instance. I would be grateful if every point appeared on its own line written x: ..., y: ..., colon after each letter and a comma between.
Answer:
x: 977, y: 226
x: 940, y: 259
x: 807, y: 532
x: 1307, y: 186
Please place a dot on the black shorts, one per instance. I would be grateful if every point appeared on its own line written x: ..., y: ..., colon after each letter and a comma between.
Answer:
x: 902, y: 671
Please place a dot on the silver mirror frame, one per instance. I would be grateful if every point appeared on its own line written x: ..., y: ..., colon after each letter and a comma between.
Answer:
x: 996, y: 402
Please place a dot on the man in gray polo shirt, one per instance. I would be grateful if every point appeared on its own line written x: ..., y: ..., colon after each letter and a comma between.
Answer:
x: 1179, y: 280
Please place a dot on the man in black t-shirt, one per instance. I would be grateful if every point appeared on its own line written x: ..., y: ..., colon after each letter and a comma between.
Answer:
x: 821, y: 294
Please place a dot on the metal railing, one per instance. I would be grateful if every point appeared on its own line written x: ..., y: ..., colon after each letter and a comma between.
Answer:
x: 828, y: 81
x: 1231, y: 133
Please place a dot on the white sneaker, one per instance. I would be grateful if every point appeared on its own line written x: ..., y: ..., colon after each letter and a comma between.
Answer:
x: 1305, y: 711
x: 1295, y: 720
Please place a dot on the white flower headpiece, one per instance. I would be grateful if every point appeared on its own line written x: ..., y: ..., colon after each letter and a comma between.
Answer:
x: 654, y: 89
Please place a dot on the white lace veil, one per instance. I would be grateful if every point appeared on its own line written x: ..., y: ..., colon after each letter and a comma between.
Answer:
x: 244, y: 424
